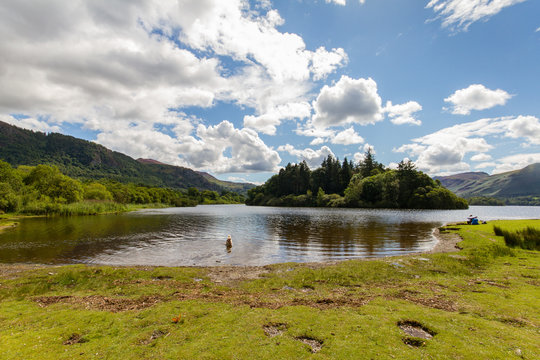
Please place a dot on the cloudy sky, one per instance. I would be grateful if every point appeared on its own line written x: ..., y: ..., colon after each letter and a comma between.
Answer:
x: 240, y: 88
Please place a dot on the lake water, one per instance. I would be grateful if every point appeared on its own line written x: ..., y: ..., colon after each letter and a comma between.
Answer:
x: 261, y: 235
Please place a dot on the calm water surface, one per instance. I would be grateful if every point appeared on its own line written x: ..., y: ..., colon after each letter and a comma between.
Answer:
x: 261, y: 235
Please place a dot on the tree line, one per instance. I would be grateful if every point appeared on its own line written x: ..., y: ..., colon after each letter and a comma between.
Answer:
x: 346, y: 184
x: 44, y: 189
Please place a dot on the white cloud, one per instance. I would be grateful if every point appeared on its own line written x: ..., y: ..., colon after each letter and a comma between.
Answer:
x: 313, y: 158
x: 116, y: 68
x: 342, y: 2
x: 515, y: 162
x: 348, y: 101
x: 231, y: 28
x: 444, y: 150
x: 537, y: 30
x: 324, y: 62
x: 318, y: 141
x: 527, y: 127
x: 403, y: 113
x: 476, y: 97
x: 267, y: 122
x: 485, y: 165
x: 460, y: 14
x: 30, y: 123
x: 481, y: 157
x: 221, y: 148
x: 337, y: 2
x: 347, y: 137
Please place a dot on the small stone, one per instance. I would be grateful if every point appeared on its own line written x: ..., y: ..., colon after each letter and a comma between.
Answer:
x: 287, y: 288
x: 518, y: 352
x: 397, y: 265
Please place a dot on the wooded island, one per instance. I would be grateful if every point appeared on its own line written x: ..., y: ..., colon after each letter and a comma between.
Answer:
x: 367, y: 184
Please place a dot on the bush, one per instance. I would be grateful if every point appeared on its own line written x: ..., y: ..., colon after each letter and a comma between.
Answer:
x: 528, y: 238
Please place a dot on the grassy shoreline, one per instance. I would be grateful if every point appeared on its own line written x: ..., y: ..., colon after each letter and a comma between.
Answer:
x: 480, y: 302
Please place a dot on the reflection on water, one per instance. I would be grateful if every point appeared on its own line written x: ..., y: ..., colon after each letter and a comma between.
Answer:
x: 261, y: 235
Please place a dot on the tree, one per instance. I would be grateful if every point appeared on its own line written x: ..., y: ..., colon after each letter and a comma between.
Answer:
x: 49, y: 181
x: 369, y: 166
x: 96, y: 191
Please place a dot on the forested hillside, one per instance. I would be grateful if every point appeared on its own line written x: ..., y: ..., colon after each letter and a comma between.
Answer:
x: 83, y: 159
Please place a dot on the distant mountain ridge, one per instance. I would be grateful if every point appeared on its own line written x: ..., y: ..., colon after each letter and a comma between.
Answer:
x: 524, y: 183
x: 87, y: 160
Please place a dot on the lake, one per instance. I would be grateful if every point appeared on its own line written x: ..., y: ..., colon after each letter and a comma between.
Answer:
x: 261, y: 235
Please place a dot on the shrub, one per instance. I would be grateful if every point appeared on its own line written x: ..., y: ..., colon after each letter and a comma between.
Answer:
x: 528, y: 238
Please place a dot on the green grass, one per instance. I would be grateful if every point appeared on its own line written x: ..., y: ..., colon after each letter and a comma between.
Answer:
x: 527, y: 238
x: 482, y: 303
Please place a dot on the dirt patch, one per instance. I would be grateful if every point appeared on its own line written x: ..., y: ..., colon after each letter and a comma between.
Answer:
x: 440, y: 302
x: 447, y: 241
x: 13, y: 271
x: 228, y: 275
x: 156, y: 334
x: 314, y: 344
x: 415, y: 329
x: 104, y: 303
x: 75, y: 339
x: 488, y: 282
x: 513, y: 322
x: 274, y: 329
x: 417, y: 333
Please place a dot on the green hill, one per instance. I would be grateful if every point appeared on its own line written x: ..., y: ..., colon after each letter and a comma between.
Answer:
x: 515, y: 187
x: 87, y: 160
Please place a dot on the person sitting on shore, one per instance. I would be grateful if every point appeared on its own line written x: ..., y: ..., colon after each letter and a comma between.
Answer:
x: 472, y: 218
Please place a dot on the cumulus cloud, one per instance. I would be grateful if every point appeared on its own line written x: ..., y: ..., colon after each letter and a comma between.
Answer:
x: 476, y: 97
x: 313, y: 158
x: 527, y: 127
x: 268, y: 122
x: 460, y: 14
x: 129, y: 68
x: 347, y: 137
x: 445, y: 150
x: 324, y: 62
x: 230, y: 28
x: 515, y: 162
x: 30, y: 123
x: 337, y: 2
x: 481, y: 157
x: 341, y: 2
x: 348, y: 101
x: 222, y: 147
x: 403, y: 113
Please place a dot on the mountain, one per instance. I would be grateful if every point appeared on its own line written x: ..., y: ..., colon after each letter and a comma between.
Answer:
x: 517, y: 187
x: 87, y: 160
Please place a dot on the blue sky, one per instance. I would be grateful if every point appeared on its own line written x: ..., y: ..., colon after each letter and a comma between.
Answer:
x: 240, y: 88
